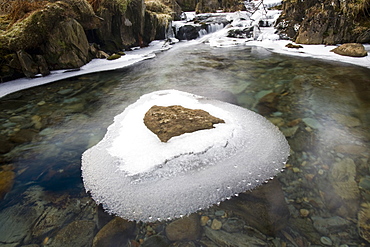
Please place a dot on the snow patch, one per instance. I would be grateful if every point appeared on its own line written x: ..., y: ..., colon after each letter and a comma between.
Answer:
x: 96, y: 65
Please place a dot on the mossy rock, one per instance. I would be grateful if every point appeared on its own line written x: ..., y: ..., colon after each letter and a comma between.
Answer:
x: 114, y: 57
x: 31, y: 32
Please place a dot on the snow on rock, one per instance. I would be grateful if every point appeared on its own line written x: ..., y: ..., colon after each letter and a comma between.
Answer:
x: 136, y: 176
x: 96, y: 65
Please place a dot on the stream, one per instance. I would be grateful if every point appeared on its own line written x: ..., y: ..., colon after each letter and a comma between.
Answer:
x: 322, y: 198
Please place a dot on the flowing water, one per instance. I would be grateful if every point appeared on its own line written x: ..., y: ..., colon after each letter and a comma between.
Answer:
x: 323, y: 108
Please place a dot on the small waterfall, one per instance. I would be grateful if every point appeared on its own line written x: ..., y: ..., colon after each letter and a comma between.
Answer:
x: 202, y: 32
x: 214, y: 27
x: 169, y: 32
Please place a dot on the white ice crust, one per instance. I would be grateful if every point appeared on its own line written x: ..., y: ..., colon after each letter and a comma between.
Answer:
x: 137, y: 177
x: 136, y: 139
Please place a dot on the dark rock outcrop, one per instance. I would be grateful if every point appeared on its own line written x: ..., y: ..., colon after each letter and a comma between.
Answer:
x: 52, y: 37
x: 68, y: 34
x: 67, y: 46
x: 189, y: 32
x: 187, y: 5
x: 325, y: 22
x: 123, y: 24
x: 209, y: 6
x: 169, y: 121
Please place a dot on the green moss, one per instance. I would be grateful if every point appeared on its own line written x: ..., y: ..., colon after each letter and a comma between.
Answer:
x: 113, y: 57
x: 115, y: 5
x: 157, y: 6
x: 30, y: 32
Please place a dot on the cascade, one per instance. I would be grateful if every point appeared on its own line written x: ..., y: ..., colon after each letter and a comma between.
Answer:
x: 214, y: 27
x: 202, y: 32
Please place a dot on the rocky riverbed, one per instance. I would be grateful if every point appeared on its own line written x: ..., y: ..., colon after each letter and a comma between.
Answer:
x: 320, y: 199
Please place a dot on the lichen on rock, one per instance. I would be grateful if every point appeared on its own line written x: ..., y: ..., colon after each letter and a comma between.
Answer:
x: 169, y: 121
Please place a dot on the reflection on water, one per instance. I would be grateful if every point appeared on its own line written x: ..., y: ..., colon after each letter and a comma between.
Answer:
x: 322, y: 198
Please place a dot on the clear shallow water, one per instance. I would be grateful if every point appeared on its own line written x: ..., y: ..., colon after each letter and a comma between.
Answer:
x: 323, y: 108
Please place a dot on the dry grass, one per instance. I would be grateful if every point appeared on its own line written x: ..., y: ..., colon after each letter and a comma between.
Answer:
x: 95, y: 4
x: 19, y: 9
x: 157, y: 6
x: 357, y: 7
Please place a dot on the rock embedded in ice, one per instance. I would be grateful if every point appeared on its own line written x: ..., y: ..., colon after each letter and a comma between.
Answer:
x: 169, y: 121
x: 138, y: 177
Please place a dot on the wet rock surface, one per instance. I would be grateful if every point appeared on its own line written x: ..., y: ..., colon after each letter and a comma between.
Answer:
x: 116, y: 233
x: 187, y: 228
x: 7, y: 176
x: 169, y: 121
x: 77, y: 233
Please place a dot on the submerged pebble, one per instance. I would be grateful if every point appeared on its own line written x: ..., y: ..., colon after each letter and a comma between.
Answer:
x: 326, y: 241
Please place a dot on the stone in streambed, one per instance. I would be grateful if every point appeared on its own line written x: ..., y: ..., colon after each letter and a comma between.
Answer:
x: 6, y: 179
x: 363, y: 221
x: 223, y: 238
x: 267, y: 104
x: 345, y: 194
x: 233, y: 225
x: 263, y: 208
x: 116, y: 231
x: 5, y: 144
x: 155, y: 240
x: 216, y: 224
x: 187, y: 228
x: 23, y: 136
x: 345, y: 120
x: 169, y: 121
x: 349, y: 149
x: 77, y: 233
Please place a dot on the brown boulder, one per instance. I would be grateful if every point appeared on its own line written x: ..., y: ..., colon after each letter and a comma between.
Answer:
x: 351, y: 49
x: 169, y: 121
x: 290, y: 45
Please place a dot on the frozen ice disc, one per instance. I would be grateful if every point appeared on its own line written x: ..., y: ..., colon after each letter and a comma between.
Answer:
x: 137, y: 177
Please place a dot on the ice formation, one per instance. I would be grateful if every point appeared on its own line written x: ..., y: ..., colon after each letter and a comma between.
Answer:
x: 137, y: 177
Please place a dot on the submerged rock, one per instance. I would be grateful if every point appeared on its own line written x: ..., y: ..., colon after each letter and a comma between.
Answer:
x: 7, y: 176
x: 223, y: 238
x: 263, y: 208
x: 187, y: 228
x: 363, y: 221
x: 77, y: 233
x: 169, y: 121
x: 115, y: 233
x: 346, y: 194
